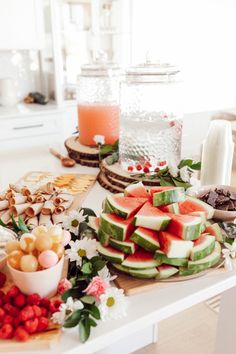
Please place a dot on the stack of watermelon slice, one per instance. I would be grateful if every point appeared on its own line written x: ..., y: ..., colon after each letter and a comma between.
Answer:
x: 157, y: 233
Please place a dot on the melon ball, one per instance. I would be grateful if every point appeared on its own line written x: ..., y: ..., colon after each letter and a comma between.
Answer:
x: 39, y: 230
x: 29, y: 263
x: 12, y: 246
x: 14, y: 258
x: 66, y: 237
x: 27, y: 242
x: 48, y: 259
x: 43, y: 243
x: 58, y: 249
x: 56, y: 233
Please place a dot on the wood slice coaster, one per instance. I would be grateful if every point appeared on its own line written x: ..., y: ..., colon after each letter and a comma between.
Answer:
x: 104, y: 182
x: 117, y: 182
x: 88, y: 163
x: 79, y: 152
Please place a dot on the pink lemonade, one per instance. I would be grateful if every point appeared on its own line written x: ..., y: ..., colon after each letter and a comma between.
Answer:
x: 98, y: 120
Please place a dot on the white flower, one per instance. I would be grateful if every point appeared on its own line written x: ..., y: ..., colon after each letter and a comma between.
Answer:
x: 72, y: 221
x: 99, y: 139
x: 113, y: 304
x: 105, y: 275
x: 228, y: 253
x: 184, y: 174
x: 86, y: 247
x: 59, y: 317
x: 173, y: 169
x: 66, y: 309
x: 195, y: 186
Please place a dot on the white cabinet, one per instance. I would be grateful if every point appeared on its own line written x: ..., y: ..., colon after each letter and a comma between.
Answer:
x: 21, y: 24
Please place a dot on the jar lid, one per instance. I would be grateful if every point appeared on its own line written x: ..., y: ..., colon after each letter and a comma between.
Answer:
x: 153, y: 72
x: 100, y: 69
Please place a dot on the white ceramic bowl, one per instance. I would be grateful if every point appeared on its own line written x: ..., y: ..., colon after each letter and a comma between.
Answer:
x: 219, y: 214
x: 44, y: 282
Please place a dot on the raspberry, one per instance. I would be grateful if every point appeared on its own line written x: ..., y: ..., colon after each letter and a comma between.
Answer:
x: 138, y: 167
x: 6, y: 332
x: 130, y: 168
x: 2, y: 314
x: 3, y: 279
x: 16, y: 322
x: 45, y: 302
x: 162, y: 163
x: 13, y: 291
x: 21, y: 334
x: 26, y: 313
x: 7, y: 319
x: 37, y: 311
x: 34, y: 299
x: 31, y: 326
x: 157, y: 169
x: 1, y: 294
x: 1, y: 302
x: 11, y: 310
x: 20, y: 300
x: 145, y: 169
x: 54, y: 305
x: 43, y: 324
x: 44, y: 312
x: 6, y: 299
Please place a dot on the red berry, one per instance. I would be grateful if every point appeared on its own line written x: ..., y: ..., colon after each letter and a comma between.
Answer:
x: 45, y: 302
x: 1, y: 302
x: 6, y: 299
x: 26, y: 313
x: 16, y: 322
x: 31, y: 326
x: 14, y: 290
x: 20, y: 300
x: 37, y: 311
x: 21, y: 334
x: 54, y: 306
x: 6, y: 332
x: 1, y: 294
x: 145, y: 169
x: 44, y: 312
x: 7, y: 319
x: 11, y: 310
x: 2, y: 314
x: 162, y: 163
x: 43, y: 324
x: 34, y: 299
x: 3, y: 279
x: 148, y: 164
x: 138, y: 167
x: 130, y: 168
x: 157, y: 169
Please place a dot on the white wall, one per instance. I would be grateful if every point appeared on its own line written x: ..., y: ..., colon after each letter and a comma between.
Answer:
x: 200, y: 35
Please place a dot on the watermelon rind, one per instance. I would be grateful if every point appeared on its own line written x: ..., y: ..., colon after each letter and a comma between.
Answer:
x: 208, y: 209
x: 152, y: 222
x: 203, y: 249
x: 110, y: 254
x: 169, y: 196
x: 166, y: 271
x: 184, y: 271
x: 144, y: 240
x: 124, y: 212
x: 173, y: 246
x: 103, y: 237
x: 136, y: 190
x: 208, y: 261
x: 124, y: 246
x: 93, y: 222
x: 215, y: 230
x: 170, y: 208
x: 113, y: 228
x: 106, y: 207
x: 138, y: 273
x: 131, y: 262
x: 162, y: 258
x: 187, y: 230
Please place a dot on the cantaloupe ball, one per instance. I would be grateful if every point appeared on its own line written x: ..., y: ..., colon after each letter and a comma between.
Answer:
x: 12, y: 246
x: 27, y: 242
x: 56, y: 233
x: 43, y: 243
x: 39, y: 230
x: 58, y: 249
x: 29, y: 263
x: 14, y: 258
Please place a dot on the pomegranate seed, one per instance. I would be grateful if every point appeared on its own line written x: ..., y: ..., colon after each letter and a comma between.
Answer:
x: 162, y: 163
x: 145, y: 169
x: 138, y: 167
x: 130, y: 168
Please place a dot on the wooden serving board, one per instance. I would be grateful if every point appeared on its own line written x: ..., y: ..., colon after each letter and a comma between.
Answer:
x: 84, y: 155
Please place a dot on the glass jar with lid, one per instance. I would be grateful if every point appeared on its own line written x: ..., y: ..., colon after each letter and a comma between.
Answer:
x: 151, y: 112
x: 98, y: 102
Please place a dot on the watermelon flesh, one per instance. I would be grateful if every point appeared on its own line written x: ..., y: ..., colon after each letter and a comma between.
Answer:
x: 185, y: 226
x: 167, y: 195
x: 116, y: 227
x: 138, y: 273
x: 151, y: 218
x: 140, y: 260
x: 166, y: 271
x: 203, y: 246
x: 215, y: 230
x: 173, y: 246
x: 170, y: 208
x: 146, y: 238
x: 111, y: 254
x: 125, y: 206
x: 136, y: 190
x: 192, y: 204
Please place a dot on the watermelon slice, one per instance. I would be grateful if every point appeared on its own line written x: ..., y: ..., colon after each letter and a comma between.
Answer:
x: 116, y: 227
x: 147, y: 239
x: 106, y: 207
x: 162, y: 258
x: 125, y: 206
x: 140, y: 260
x: 208, y: 261
x: 166, y: 271
x: 125, y: 246
x: 151, y: 218
x: 192, y: 204
x: 203, y: 246
x: 138, y: 273
x: 215, y: 230
x: 187, y: 227
x: 170, y: 208
x: 136, y: 190
x: 111, y: 254
x: 103, y: 237
x: 167, y: 195
x: 94, y: 223
x: 173, y: 246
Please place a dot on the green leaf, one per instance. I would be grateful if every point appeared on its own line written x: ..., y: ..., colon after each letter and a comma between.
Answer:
x: 165, y: 181
x: 73, y: 320
x: 87, y: 268
x: 94, y: 312
x: 98, y: 265
x: 88, y: 299
x: 179, y: 183
x: 2, y: 223
x: 74, y: 293
x: 163, y: 171
x: 187, y: 162
x: 92, y: 322
x: 88, y: 212
x: 116, y: 145
x: 14, y: 224
x: 105, y: 149
x: 83, y: 226
x: 196, y: 166
x: 22, y: 225
x: 84, y: 330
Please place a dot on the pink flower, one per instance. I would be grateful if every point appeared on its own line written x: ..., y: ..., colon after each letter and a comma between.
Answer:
x: 64, y: 285
x: 97, y: 287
